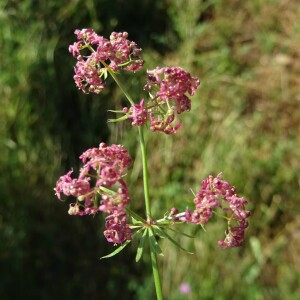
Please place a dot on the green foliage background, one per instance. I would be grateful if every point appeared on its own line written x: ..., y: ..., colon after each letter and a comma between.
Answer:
x: 244, y: 122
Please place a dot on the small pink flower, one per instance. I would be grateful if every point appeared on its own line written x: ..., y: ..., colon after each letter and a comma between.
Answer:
x: 134, y: 66
x: 75, y: 48
x: 138, y: 114
x: 117, y: 201
x: 100, y: 185
x: 72, y: 187
x: 117, y: 53
x: 184, y: 288
x: 216, y: 192
x: 172, y: 83
x: 170, y: 86
x: 88, y: 76
x: 183, y: 104
x: 117, y: 231
x: 125, y: 51
x: 87, y: 35
x: 235, y: 236
x: 109, y: 162
x: 164, y: 123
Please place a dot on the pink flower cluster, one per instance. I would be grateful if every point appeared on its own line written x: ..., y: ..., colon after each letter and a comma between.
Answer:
x: 216, y: 192
x: 100, y: 187
x: 137, y: 113
x: 117, y: 230
x: 171, y: 86
x: 114, y: 54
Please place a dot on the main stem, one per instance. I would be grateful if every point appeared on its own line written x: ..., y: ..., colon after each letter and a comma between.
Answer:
x: 113, y: 75
x: 156, y: 276
x: 148, y: 213
x: 146, y: 192
x: 145, y: 173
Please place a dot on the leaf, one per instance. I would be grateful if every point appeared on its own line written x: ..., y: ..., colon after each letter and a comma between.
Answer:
x: 116, y: 111
x: 140, y: 249
x: 136, y: 222
x: 106, y: 190
x: 161, y: 232
x: 105, y: 74
x: 123, y: 118
x: 119, y: 249
x: 202, y: 226
x: 177, y: 231
x: 136, y: 226
x: 153, y: 243
x: 135, y: 216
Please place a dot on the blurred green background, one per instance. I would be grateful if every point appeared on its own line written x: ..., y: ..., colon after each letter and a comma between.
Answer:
x: 244, y: 122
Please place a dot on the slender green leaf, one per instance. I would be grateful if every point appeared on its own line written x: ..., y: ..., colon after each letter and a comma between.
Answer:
x: 105, y: 74
x: 161, y: 236
x: 153, y: 243
x: 123, y: 118
x: 203, y: 227
x: 119, y: 249
x: 116, y: 111
x: 136, y: 226
x: 161, y: 232
x: 140, y: 249
x: 106, y: 190
x: 183, y: 233
x: 136, y: 222
x: 135, y: 216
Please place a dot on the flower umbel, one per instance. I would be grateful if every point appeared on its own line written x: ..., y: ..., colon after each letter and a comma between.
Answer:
x: 137, y: 113
x: 117, y: 231
x: 172, y: 83
x: 99, y: 186
x: 217, y: 193
x: 168, y: 88
x: 101, y: 56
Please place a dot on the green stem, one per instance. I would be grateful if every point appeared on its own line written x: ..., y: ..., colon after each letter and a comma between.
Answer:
x: 156, y: 276
x: 113, y: 75
x: 143, y: 148
x: 148, y: 213
x: 146, y: 189
x: 145, y: 173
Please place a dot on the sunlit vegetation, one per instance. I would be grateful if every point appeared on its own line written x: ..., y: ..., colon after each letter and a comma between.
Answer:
x: 244, y: 122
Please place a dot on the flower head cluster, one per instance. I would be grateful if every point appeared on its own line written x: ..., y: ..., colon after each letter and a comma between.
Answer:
x: 168, y: 88
x: 100, y: 187
x: 171, y: 86
x: 102, y: 55
x: 172, y: 83
x: 137, y: 113
x: 216, y: 192
x: 117, y: 230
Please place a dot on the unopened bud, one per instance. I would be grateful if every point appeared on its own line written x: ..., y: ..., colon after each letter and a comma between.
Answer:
x: 174, y: 211
x: 81, y: 198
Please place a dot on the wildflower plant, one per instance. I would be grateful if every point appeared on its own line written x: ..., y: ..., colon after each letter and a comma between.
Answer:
x: 101, y: 187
